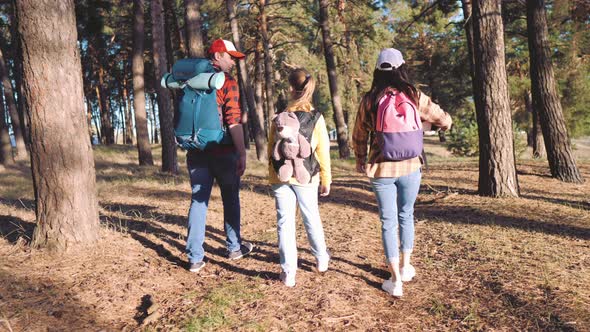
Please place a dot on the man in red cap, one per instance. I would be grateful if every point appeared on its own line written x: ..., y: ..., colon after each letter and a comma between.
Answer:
x: 225, y: 163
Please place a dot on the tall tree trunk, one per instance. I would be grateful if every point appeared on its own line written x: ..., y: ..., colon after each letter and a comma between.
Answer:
x: 21, y: 149
x: 18, y: 74
x: 257, y: 121
x: 497, y: 168
x: 108, y: 132
x: 143, y: 144
x: 180, y: 46
x: 268, y: 82
x: 261, y: 106
x: 5, y: 146
x: 545, y: 98
x: 128, y: 120
x: 169, y: 163
x: 344, y: 151
x: 536, y: 134
x: 193, y: 26
x: 155, y: 124
x: 61, y: 156
x: 466, y: 4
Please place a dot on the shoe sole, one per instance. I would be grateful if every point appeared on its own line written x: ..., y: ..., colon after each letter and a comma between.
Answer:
x: 197, y: 270
x: 242, y: 255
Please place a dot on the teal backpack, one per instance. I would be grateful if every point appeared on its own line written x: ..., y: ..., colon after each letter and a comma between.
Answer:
x: 197, y: 123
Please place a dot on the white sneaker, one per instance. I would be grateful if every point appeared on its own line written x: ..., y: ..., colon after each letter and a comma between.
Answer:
x: 393, y: 288
x: 288, y: 279
x: 407, y: 273
x: 322, y: 264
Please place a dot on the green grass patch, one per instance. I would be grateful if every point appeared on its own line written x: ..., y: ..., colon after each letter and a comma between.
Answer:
x: 216, y: 310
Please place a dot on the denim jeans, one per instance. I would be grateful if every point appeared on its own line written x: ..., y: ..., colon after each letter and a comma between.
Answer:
x: 203, y: 168
x: 396, y: 198
x: 286, y: 198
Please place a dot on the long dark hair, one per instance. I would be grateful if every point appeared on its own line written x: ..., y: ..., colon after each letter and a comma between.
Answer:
x: 396, y: 78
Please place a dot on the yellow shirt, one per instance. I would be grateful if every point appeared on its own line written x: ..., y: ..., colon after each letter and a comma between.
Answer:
x: 320, y: 144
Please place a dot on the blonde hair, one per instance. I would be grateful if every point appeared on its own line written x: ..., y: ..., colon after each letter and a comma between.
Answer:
x: 303, y: 85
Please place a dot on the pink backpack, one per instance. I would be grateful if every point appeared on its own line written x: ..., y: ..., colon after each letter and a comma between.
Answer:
x: 399, y: 128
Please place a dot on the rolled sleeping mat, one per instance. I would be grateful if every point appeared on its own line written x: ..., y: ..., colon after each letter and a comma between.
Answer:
x: 169, y: 82
x: 207, y: 81
x: 203, y: 81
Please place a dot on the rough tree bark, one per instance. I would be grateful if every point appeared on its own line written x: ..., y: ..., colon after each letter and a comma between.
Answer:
x: 344, y: 151
x: 192, y: 23
x: 61, y: 155
x: 545, y: 98
x: 169, y: 156
x: 143, y: 144
x: 497, y: 168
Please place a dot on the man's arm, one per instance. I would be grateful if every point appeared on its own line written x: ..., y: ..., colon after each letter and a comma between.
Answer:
x: 237, y: 135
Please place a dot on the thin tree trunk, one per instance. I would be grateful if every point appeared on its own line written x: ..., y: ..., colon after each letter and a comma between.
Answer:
x: 536, y: 137
x: 143, y: 144
x: 193, y: 25
x: 155, y: 116
x: 545, y: 98
x: 108, y: 133
x: 178, y: 32
x: 62, y: 162
x: 128, y: 121
x: 344, y: 151
x: 18, y: 74
x: 169, y: 158
x: 5, y: 146
x: 497, y: 168
x: 21, y: 149
x: 257, y: 122
x: 268, y: 82
x: 261, y: 106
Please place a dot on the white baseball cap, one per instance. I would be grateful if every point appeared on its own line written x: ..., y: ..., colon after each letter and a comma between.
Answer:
x: 389, y: 58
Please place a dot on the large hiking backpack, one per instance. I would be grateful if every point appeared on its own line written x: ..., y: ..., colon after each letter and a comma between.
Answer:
x: 398, y: 127
x: 197, y: 122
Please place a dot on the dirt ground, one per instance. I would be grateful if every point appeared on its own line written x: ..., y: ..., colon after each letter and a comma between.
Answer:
x: 482, y: 263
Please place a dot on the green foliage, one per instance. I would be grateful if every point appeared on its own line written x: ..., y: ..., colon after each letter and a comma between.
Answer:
x: 463, y: 138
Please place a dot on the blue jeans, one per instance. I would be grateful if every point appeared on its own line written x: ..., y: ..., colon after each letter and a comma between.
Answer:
x: 203, y: 168
x: 396, y: 198
x: 286, y: 198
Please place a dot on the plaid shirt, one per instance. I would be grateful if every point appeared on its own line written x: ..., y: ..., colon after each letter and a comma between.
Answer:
x: 228, y: 99
x: 364, y: 131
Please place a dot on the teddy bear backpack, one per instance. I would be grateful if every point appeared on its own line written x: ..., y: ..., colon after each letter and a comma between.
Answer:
x: 398, y: 127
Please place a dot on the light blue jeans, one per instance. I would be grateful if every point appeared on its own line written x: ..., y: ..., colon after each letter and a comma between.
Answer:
x: 203, y: 168
x: 396, y: 198
x: 286, y: 198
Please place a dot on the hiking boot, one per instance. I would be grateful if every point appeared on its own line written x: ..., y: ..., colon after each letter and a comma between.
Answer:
x: 288, y: 278
x: 394, y: 288
x: 196, y: 267
x: 407, y: 273
x: 322, y: 263
x: 245, y: 249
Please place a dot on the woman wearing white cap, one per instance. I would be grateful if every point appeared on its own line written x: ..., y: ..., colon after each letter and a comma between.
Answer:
x: 389, y: 120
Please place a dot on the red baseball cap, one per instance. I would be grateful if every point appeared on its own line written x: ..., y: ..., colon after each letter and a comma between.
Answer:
x: 221, y: 45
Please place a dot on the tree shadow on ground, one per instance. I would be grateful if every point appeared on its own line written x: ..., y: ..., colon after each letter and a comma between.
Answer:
x: 14, y: 229
x: 37, y: 305
x: 582, y: 205
x: 473, y: 216
x: 139, y: 230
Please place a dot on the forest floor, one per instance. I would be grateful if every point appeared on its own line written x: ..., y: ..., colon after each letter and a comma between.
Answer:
x: 500, y: 264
